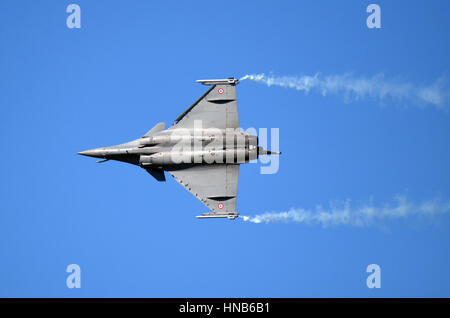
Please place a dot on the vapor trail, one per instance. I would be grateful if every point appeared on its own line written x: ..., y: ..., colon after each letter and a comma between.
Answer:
x: 356, y: 88
x: 364, y: 215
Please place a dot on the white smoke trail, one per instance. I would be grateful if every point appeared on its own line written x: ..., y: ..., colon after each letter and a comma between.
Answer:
x: 346, y: 215
x: 355, y: 88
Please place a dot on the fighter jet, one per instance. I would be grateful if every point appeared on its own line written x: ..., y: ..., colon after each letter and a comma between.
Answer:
x: 202, y: 150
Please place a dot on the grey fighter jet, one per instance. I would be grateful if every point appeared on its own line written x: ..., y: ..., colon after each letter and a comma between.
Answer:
x: 202, y: 150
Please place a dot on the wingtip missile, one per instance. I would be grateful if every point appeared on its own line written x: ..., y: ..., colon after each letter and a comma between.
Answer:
x: 229, y: 81
x: 209, y: 215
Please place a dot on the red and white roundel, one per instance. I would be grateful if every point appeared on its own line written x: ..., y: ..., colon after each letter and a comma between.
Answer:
x: 220, y: 90
x: 220, y: 206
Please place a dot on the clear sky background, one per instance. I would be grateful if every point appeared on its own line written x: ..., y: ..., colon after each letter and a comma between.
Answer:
x: 133, y: 64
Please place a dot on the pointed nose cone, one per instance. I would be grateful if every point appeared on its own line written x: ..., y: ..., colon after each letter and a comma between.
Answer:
x: 96, y: 153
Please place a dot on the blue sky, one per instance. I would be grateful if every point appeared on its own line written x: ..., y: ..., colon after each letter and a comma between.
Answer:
x: 133, y: 64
